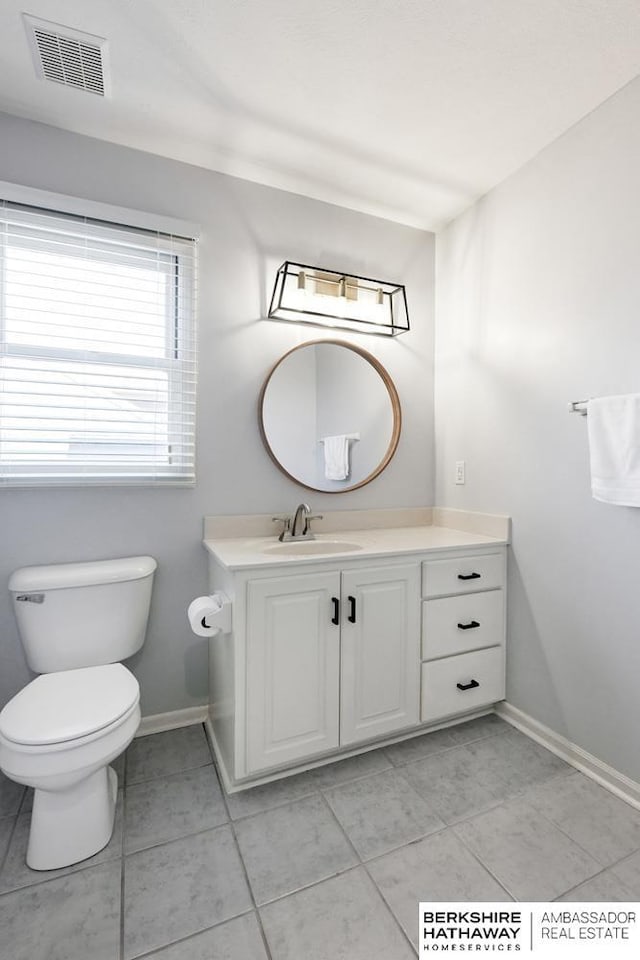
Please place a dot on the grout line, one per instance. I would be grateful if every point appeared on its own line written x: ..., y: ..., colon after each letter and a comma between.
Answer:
x: 241, y: 858
x: 5, y: 857
x: 191, y: 936
x: 172, y: 773
x: 438, y: 753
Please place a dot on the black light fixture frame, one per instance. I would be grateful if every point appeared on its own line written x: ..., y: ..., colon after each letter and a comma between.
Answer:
x: 399, y: 317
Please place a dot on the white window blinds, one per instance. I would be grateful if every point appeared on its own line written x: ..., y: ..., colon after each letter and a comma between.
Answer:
x: 97, y: 351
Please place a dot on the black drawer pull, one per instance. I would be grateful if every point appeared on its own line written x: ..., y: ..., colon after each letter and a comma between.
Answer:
x: 468, y: 686
x: 352, y: 609
x: 468, y: 626
x: 336, y: 611
x: 469, y: 576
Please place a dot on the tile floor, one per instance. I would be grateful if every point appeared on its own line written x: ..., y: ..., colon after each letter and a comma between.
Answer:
x: 327, y: 864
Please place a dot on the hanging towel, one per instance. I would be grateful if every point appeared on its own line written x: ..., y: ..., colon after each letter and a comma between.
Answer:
x: 614, y: 447
x: 336, y: 457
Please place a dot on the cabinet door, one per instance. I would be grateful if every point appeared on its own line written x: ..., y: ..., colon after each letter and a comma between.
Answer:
x: 293, y: 662
x: 380, y: 680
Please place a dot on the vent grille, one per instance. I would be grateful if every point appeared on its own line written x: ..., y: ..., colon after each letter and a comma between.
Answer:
x: 67, y: 56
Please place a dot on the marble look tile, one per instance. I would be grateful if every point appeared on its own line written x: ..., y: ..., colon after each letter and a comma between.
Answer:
x: 351, y: 768
x: 457, y: 783
x: 526, y: 852
x: 418, y: 748
x: 6, y: 827
x: 15, y: 872
x: 170, y: 807
x: 291, y: 847
x: 343, y: 918
x: 439, y: 868
x: 238, y: 939
x: 10, y: 796
x: 246, y: 803
x: 181, y: 888
x: 602, y: 888
x: 628, y: 871
x: 603, y: 825
x: 71, y: 918
x: 161, y: 754
x: 381, y: 812
x: 518, y: 761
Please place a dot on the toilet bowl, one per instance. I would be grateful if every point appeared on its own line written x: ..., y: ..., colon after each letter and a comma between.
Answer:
x: 76, y: 621
x: 58, y: 736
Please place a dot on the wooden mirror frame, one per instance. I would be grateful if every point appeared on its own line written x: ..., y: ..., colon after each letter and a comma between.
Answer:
x: 395, y: 407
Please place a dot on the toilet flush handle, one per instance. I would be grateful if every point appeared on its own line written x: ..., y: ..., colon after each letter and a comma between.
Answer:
x: 30, y: 597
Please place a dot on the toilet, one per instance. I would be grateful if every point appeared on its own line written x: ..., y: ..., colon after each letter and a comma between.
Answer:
x: 59, y: 734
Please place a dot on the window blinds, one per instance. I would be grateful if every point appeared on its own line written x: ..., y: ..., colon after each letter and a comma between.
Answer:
x: 97, y: 351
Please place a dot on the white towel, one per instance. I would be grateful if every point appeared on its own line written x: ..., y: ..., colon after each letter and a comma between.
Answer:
x: 614, y: 446
x: 336, y: 457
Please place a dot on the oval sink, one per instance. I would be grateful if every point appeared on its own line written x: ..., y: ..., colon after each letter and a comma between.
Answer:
x: 310, y: 548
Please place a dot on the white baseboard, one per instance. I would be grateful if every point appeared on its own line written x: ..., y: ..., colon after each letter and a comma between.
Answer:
x: 159, y: 722
x: 614, y: 781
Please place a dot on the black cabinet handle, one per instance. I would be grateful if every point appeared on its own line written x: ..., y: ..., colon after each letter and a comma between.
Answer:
x: 468, y: 626
x: 469, y: 576
x: 467, y: 686
x: 352, y: 609
x: 336, y: 611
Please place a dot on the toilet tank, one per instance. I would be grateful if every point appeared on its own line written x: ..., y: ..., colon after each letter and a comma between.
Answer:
x: 82, y: 614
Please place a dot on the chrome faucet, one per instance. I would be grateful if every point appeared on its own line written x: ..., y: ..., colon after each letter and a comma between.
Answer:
x: 298, y: 527
x: 301, y: 516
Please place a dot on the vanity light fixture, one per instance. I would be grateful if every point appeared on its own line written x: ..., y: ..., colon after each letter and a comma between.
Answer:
x: 313, y: 295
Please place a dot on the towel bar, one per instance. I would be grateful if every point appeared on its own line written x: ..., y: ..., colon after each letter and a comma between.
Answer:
x: 578, y: 406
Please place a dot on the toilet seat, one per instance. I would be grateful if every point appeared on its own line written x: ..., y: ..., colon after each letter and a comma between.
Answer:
x: 69, y: 705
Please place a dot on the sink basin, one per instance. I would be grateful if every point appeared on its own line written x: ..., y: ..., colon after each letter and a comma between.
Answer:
x: 310, y: 548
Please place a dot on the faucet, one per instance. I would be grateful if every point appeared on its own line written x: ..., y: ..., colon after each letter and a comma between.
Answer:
x: 298, y: 527
x: 301, y: 516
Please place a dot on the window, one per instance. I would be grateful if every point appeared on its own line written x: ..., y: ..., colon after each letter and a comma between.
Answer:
x: 97, y: 351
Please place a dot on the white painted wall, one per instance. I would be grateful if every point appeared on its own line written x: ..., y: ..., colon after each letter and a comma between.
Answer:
x: 247, y: 231
x: 538, y: 303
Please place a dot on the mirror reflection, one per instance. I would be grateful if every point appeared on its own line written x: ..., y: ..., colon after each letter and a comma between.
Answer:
x: 330, y: 416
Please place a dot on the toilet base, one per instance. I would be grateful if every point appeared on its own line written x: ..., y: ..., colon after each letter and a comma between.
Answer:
x: 70, y: 825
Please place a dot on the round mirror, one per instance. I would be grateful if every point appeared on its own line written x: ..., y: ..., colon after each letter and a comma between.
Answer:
x: 330, y: 416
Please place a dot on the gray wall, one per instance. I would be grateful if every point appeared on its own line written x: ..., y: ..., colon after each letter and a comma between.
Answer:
x: 247, y: 230
x: 539, y: 304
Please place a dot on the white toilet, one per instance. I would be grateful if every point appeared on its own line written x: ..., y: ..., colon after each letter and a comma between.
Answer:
x: 59, y: 733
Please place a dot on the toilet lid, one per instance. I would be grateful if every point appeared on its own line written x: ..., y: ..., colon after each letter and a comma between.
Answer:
x: 69, y: 704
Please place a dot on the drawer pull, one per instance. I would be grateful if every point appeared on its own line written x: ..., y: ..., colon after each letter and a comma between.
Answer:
x: 468, y: 626
x: 468, y: 686
x: 469, y: 576
x: 352, y: 609
x: 336, y: 611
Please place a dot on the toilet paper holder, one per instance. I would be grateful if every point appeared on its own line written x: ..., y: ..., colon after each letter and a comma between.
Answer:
x: 210, y: 615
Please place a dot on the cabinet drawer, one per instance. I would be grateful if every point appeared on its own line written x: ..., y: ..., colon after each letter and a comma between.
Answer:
x: 452, y: 625
x: 462, y: 575
x: 441, y: 695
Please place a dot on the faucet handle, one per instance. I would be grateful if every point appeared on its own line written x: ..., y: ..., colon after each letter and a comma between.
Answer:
x: 316, y: 516
x: 286, y: 522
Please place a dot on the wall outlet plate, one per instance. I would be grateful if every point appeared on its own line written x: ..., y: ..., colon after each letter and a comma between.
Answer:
x: 460, y: 471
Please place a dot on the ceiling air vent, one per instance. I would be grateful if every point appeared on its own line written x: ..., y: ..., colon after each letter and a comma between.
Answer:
x: 67, y: 56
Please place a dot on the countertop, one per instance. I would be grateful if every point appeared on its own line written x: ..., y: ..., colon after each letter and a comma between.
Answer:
x: 239, y: 553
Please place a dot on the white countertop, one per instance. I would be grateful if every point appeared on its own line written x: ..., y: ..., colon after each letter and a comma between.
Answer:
x: 238, y: 553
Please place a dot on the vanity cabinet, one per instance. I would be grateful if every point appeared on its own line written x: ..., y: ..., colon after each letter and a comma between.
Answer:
x: 463, y: 623
x: 328, y: 656
x: 331, y: 660
x: 293, y: 668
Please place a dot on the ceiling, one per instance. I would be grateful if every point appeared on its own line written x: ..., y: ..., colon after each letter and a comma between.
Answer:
x: 406, y: 109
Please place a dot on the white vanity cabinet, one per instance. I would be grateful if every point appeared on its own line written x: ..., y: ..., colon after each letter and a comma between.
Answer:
x: 331, y: 659
x: 293, y: 668
x: 463, y: 634
x: 329, y: 655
